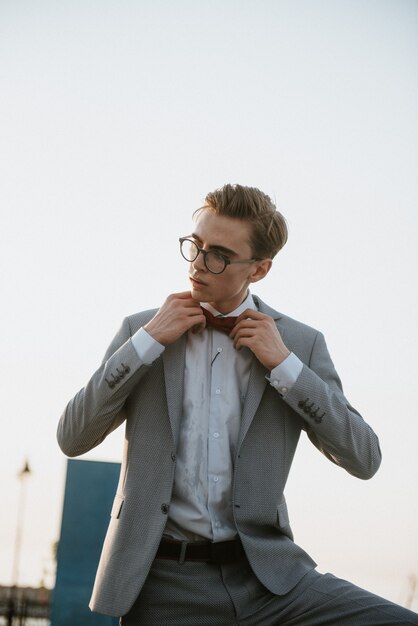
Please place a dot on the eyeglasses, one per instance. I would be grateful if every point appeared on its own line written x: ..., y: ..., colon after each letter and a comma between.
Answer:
x: 214, y: 261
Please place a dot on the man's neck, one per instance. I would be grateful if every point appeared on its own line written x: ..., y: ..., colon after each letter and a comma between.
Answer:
x: 247, y: 303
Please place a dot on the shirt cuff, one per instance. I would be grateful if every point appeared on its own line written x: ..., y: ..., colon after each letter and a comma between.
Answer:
x: 284, y: 376
x: 147, y: 348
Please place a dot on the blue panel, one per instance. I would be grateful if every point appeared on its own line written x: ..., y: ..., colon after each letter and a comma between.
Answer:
x: 89, y: 491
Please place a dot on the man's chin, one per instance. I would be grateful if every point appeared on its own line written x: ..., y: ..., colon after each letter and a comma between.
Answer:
x: 198, y: 295
x: 199, y: 291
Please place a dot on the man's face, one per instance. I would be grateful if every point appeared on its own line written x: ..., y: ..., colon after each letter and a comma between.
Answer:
x: 231, y: 237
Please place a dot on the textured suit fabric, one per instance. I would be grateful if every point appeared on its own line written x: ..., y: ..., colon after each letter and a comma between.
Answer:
x: 202, y: 594
x: 149, y: 400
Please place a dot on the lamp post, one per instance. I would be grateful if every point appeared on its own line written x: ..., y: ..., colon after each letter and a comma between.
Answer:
x: 22, y: 475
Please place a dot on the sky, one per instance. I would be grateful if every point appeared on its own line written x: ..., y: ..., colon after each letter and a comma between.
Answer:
x: 116, y: 119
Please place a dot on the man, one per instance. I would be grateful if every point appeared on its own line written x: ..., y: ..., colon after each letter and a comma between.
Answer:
x: 199, y: 531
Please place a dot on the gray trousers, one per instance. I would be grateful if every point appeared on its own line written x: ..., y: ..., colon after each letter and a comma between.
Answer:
x: 201, y: 594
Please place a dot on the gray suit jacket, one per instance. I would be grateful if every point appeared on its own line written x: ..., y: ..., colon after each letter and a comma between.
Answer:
x: 149, y: 400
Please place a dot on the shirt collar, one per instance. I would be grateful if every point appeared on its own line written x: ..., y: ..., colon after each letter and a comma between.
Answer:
x: 248, y: 303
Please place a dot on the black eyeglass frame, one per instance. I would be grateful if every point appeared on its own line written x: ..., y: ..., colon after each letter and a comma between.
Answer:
x: 227, y: 261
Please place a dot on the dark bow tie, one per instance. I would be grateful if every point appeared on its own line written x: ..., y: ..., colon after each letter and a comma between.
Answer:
x: 224, y: 324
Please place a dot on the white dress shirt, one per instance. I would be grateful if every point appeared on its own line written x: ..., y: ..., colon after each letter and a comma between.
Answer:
x: 215, y: 384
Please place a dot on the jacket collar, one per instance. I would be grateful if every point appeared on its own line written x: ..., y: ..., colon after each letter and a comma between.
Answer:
x: 265, y: 308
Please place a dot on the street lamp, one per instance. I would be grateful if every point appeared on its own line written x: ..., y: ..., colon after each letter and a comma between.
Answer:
x: 22, y: 475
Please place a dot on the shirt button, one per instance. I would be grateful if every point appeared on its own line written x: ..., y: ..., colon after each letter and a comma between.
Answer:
x: 215, y: 479
x: 218, y: 391
x: 218, y: 349
x: 216, y: 435
x: 283, y: 389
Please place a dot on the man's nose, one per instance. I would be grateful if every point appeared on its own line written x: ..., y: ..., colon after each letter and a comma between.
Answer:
x: 199, y: 264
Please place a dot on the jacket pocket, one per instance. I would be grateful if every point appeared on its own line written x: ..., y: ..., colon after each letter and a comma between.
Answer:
x: 282, y: 515
x: 117, y: 506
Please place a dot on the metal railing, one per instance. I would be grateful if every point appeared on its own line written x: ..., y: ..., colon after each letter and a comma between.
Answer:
x: 24, y: 612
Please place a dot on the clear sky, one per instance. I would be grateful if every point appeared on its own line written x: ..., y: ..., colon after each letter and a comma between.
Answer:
x: 115, y: 120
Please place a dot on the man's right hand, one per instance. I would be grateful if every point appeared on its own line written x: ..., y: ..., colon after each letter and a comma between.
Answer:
x: 177, y: 315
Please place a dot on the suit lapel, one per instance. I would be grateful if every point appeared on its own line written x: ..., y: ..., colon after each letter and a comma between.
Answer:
x: 256, y: 385
x: 173, y: 360
x: 257, y: 381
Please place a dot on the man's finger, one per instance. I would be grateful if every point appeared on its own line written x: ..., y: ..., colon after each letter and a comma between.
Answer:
x: 183, y: 295
x: 250, y: 313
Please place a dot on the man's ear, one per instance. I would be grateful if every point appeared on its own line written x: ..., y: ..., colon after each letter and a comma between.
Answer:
x: 260, y: 269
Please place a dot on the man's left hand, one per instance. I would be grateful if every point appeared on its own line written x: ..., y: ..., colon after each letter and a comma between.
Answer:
x: 259, y: 333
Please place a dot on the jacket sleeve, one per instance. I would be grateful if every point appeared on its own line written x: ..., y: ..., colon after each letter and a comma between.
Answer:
x: 98, y: 408
x: 331, y: 423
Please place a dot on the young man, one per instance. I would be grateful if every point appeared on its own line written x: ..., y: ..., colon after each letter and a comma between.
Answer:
x: 213, y: 410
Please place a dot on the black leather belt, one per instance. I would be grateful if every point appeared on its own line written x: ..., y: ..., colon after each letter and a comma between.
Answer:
x: 221, y: 553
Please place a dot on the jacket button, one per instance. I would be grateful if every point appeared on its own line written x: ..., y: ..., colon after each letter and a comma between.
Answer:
x: 173, y: 456
x: 164, y: 508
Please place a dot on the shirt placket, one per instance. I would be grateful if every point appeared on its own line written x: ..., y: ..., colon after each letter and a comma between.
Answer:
x: 218, y: 444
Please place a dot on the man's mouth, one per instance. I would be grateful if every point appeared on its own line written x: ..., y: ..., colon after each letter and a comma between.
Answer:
x: 196, y: 281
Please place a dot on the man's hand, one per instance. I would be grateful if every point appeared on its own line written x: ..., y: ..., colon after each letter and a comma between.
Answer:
x: 177, y: 315
x: 259, y: 333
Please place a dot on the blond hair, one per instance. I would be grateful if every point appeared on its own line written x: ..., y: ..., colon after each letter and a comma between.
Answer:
x: 269, y: 229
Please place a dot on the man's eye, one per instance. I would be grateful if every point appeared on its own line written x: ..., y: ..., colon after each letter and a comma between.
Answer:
x: 221, y: 255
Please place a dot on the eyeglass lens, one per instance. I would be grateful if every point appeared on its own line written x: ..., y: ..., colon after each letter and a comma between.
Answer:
x: 214, y: 262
